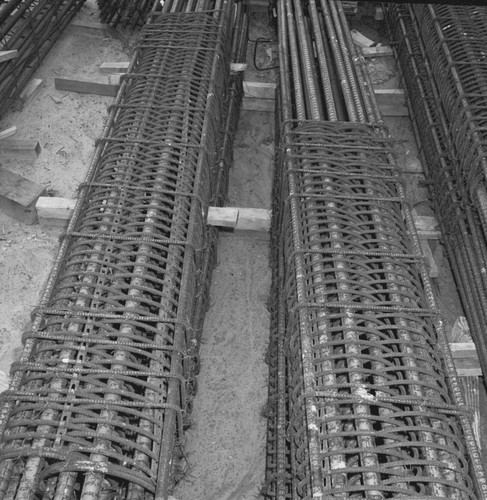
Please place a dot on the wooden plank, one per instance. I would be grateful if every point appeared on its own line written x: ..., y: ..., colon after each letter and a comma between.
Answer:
x: 18, y: 196
x: 31, y: 90
x: 361, y: 40
x: 265, y: 105
x: 463, y: 350
x: 259, y: 90
x: 87, y: 28
x: 379, y: 51
x: 393, y: 110
x: 468, y: 368
x: 253, y: 219
x: 7, y: 55
x: 432, y: 267
x: 429, y: 235
x: 413, y: 166
x: 222, y: 216
x: 238, y: 67
x: 56, y: 211
x: 460, y: 331
x: 425, y: 222
x: 53, y: 207
x: 8, y: 132
x: 390, y: 97
x: 17, y: 148
x: 122, y: 67
x: 466, y: 358
x: 241, y: 219
x: 114, y: 67
x: 86, y: 87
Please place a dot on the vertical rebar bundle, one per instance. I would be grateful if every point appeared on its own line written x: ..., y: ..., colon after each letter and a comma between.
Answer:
x: 364, y: 399
x: 442, y: 51
x: 125, y: 13
x: 98, y: 401
x: 31, y: 27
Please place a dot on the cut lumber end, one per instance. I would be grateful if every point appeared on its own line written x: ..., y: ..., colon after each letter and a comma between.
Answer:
x: 425, y: 222
x: 240, y: 219
x: 222, y: 216
x: 466, y: 358
x: 114, y: 67
x: 54, y: 211
x: 114, y: 78
x: 238, y: 67
x: 18, y: 196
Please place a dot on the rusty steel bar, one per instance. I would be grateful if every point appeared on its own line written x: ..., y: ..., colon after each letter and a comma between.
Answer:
x: 461, y: 228
x: 371, y: 395
x: 444, y: 57
x: 98, y: 400
x: 31, y: 27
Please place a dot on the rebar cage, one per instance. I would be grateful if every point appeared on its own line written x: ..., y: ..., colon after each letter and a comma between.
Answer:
x: 370, y: 409
x: 99, y: 399
x: 364, y: 401
x: 441, y: 51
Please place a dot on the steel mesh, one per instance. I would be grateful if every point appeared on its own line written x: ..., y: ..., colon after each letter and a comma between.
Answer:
x: 124, y: 13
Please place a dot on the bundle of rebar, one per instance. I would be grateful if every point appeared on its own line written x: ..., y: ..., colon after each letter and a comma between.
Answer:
x: 364, y: 397
x: 30, y: 27
x: 98, y: 402
x: 128, y: 13
x: 442, y: 51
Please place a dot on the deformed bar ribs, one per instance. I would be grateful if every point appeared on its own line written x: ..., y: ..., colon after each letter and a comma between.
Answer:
x: 442, y: 51
x: 364, y: 400
x: 98, y: 401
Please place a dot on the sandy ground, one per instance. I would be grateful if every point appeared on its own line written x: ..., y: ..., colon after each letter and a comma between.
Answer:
x: 226, y: 445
